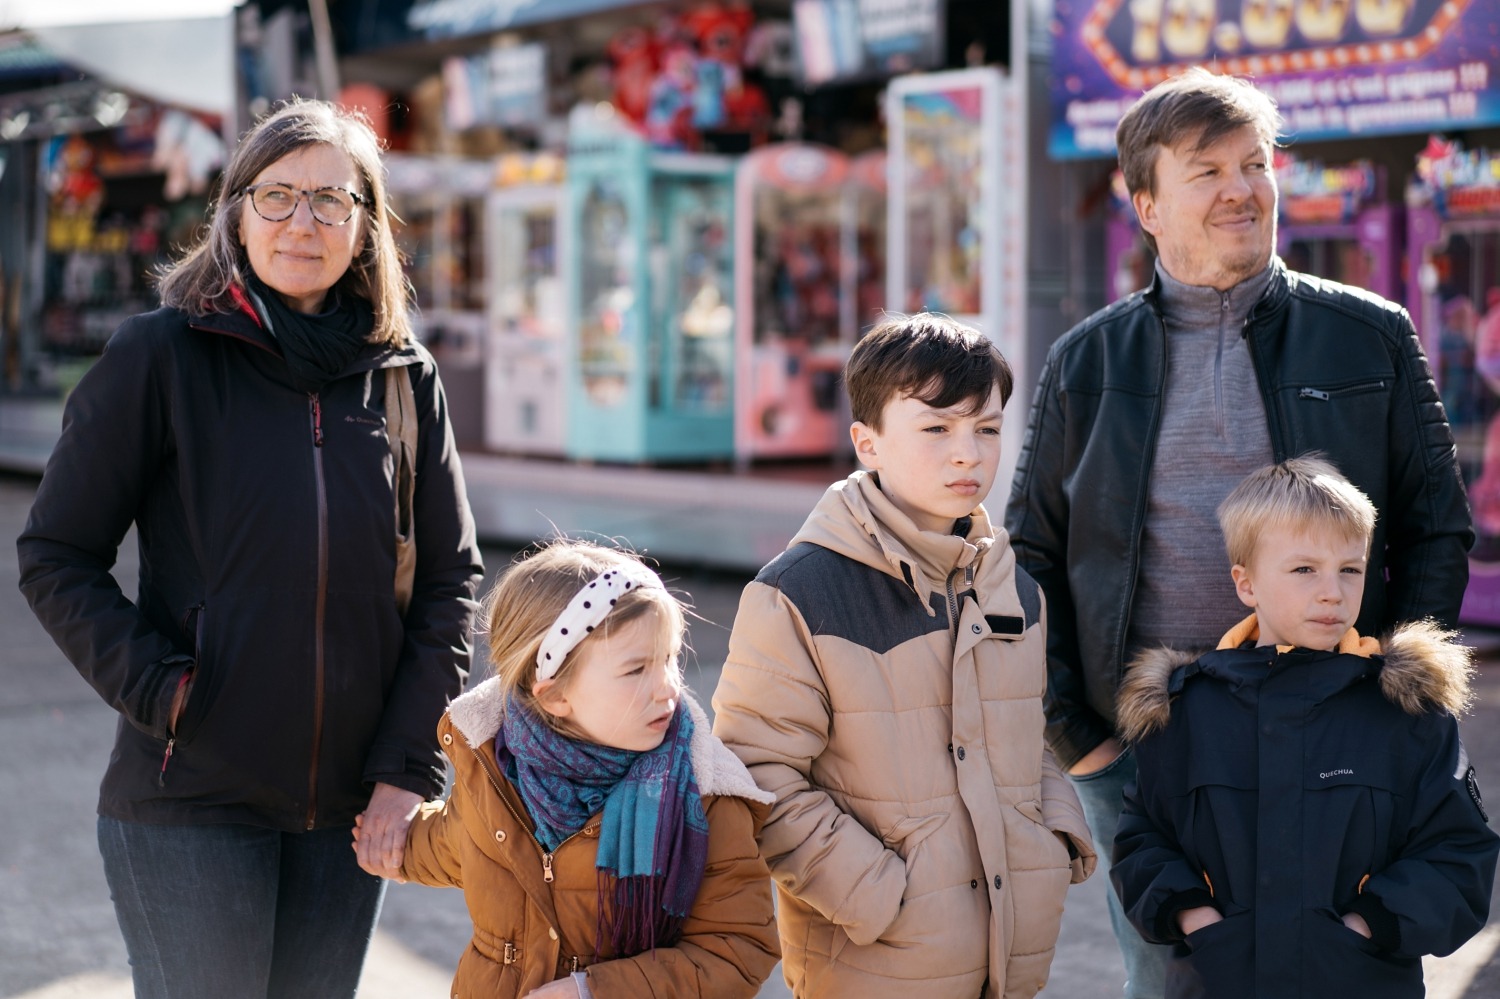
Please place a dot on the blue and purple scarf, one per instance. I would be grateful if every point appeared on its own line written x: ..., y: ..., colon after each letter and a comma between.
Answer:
x: 653, y: 837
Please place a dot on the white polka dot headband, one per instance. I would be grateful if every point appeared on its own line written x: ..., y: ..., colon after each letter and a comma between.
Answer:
x: 585, y: 611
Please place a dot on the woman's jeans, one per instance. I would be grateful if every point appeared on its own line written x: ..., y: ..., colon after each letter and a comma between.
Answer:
x: 239, y: 912
x: 1102, y: 794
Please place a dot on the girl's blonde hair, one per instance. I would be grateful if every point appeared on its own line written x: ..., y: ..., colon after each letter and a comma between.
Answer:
x: 1305, y: 493
x: 522, y: 607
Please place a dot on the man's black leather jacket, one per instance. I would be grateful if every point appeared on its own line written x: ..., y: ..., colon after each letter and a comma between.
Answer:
x: 1341, y: 371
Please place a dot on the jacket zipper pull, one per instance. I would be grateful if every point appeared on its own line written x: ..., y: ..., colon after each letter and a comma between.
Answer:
x: 317, y: 418
x: 547, y: 867
x: 1312, y: 393
x: 161, y: 778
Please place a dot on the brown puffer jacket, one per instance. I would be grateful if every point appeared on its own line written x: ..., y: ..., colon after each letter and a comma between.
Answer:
x: 536, y: 917
x: 886, y: 684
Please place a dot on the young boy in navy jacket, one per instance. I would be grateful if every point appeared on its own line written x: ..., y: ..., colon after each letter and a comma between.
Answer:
x: 1305, y: 821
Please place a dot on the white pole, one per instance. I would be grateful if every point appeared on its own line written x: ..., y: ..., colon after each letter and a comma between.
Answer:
x: 328, y: 68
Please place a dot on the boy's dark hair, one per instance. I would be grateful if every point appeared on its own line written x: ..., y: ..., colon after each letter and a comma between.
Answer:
x: 1195, y: 106
x: 929, y: 357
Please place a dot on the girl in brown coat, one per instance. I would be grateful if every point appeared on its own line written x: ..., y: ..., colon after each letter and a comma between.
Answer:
x: 604, y: 839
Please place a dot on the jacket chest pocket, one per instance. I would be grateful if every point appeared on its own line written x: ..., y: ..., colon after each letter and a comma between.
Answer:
x: 1325, y: 416
x: 1350, y: 806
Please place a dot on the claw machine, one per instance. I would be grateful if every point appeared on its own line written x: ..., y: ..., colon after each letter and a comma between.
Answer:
x: 955, y: 241
x: 795, y: 273
x: 651, y: 293
x: 525, y: 371
x: 440, y: 203
x: 1453, y: 238
x: 1336, y: 223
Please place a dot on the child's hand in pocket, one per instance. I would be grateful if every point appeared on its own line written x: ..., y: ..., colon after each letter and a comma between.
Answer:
x: 1357, y: 923
x: 1194, y: 919
x: 563, y: 988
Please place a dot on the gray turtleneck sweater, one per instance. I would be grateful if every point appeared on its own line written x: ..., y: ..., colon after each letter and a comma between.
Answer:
x: 1213, y: 433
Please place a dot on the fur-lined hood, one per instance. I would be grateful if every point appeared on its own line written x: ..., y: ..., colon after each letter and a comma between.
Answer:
x: 478, y: 713
x: 1422, y: 668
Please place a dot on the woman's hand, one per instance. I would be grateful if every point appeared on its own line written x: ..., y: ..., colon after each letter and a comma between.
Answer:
x: 380, y: 830
x: 1194, y: 919
x: 563, y: 988
x: 1357, y: 923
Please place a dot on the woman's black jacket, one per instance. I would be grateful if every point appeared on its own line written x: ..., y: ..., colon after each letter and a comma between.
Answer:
x: 265, y: 518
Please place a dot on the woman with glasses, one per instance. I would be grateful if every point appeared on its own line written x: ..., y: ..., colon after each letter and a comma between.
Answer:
x: 270, y: 687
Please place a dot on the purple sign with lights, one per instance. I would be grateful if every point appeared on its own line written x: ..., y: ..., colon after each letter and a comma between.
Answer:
x: 1337, y: 68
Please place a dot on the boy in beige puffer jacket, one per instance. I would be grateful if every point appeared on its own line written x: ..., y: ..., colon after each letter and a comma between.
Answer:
x: 885, y: 682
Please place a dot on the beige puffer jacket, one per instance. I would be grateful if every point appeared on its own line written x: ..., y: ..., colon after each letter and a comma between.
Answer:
x: 886, y: 685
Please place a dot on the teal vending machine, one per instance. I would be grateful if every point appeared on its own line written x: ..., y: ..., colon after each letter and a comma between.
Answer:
x: 651, y: 303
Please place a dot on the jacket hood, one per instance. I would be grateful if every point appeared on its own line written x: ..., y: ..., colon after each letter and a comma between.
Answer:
x: 856, y: 520
x: 1422, y: 668
x: 478, y: 713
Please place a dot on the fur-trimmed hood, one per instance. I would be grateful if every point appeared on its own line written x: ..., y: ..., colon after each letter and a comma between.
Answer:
x: 478, y: 713
x: 1422, y: 668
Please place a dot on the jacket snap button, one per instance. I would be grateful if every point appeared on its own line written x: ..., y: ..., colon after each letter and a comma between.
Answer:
x: 977, y: 630
x: 552, y: 932
x: 974, y: 883
x: 997, y: 882
x: 960, y: 752
x: 499, y: 835
x: 447, y: 738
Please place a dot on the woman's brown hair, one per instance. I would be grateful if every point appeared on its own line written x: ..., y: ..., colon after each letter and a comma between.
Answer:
x: 198, y: 282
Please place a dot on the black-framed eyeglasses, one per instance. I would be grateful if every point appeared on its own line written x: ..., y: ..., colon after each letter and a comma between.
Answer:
x: 330, y: 205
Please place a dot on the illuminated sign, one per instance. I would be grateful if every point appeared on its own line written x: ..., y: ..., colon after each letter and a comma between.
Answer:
x: 1336, y: 68
x: 1456, y: 181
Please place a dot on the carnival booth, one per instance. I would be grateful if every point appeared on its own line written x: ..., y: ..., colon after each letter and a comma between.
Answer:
x: 955, y: 243
x: 1453, y: 228
x: 118, y: 201
x: 651, y: 302
x: 525, y: 381
x: 795, y: 271
x: 1337, y: 223
x: 440, y: 202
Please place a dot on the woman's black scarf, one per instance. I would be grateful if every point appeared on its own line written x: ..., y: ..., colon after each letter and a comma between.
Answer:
x: 320, y: 346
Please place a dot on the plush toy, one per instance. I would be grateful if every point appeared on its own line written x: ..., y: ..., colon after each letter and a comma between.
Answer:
x: 669, y: 116
x: 724, y: 101
x: 633, y: 56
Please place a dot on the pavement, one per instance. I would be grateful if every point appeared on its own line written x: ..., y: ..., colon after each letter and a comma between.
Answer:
x: 58, y: 937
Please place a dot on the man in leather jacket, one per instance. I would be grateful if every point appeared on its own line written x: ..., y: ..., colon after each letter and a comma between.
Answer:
x: 1148, y: 412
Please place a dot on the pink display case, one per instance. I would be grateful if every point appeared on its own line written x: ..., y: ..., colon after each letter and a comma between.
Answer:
x: 795, y: 280
x: 1337, y: 223
x: 1128, y: 261
x: 1453, y: 236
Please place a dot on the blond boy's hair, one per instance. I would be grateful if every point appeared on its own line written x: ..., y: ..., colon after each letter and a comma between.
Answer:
x: 1306, y: 493
x: 523, y: 606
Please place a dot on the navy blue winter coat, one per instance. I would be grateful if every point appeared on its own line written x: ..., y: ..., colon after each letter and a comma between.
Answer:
x: 1289, y: 788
